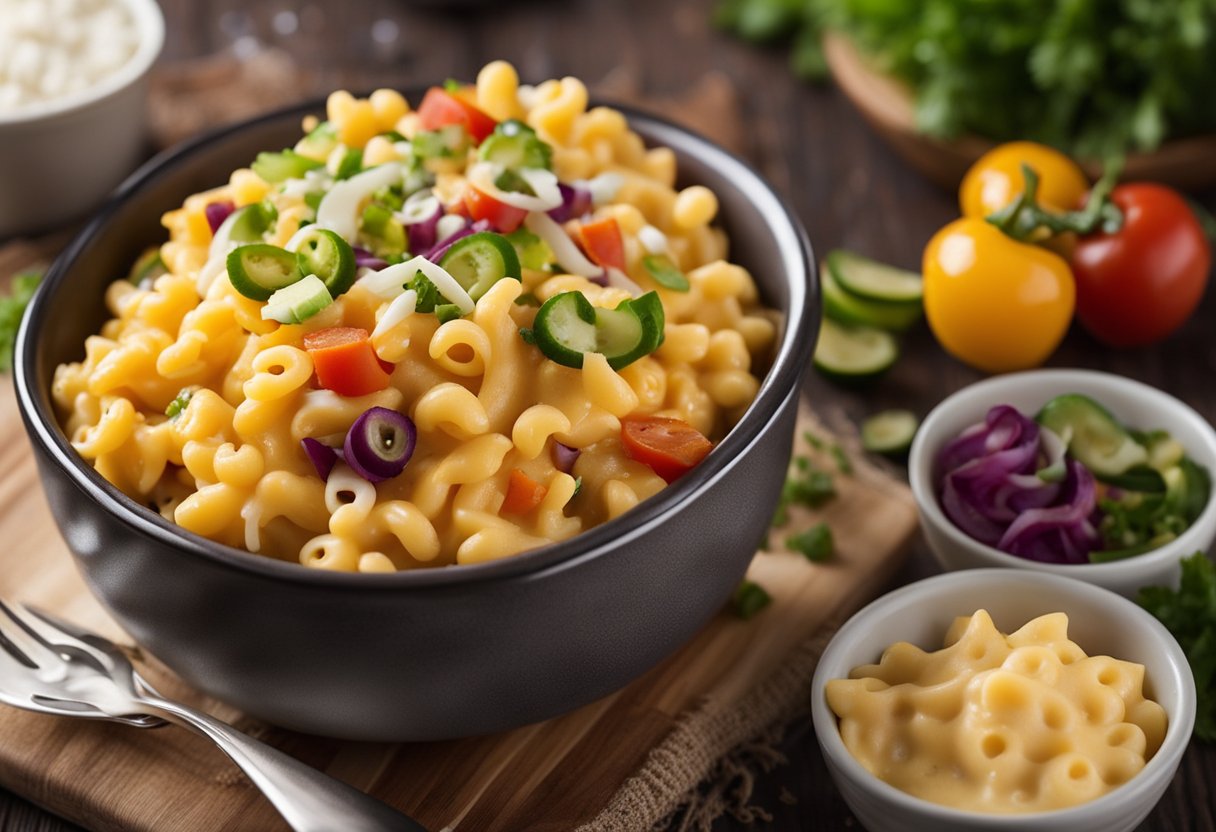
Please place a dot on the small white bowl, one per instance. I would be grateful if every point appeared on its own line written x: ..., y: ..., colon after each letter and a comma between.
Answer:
x: 1133, y: 403
x: 60, y: 159
x: 1101, y: 622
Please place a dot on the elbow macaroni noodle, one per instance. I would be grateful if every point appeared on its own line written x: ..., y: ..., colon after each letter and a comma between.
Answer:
x: 230, y: 467
x: 994, y: 723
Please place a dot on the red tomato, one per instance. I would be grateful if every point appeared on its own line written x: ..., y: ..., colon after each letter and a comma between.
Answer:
x: 502, y: 217
x: 1138, y: 285
x: 603, y: 243
x: 344, y: 361
x: 671, y: 447
x: 440, y: 108
x: 523, y: 493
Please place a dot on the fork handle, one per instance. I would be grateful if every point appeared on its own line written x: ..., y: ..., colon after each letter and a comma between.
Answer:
x: 308, y: 800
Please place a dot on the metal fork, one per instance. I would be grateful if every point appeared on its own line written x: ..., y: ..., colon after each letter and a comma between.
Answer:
x: 52, y: 667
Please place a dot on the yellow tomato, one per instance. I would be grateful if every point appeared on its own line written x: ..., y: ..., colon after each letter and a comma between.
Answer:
x: 993, y: 302
x: 995, y: 180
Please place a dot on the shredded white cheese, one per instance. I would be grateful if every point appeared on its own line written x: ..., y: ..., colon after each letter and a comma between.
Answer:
x: 339, y: 210
x: 563, y: 248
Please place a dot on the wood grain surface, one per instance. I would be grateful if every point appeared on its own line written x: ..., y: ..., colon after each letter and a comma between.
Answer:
x: 848, y: 187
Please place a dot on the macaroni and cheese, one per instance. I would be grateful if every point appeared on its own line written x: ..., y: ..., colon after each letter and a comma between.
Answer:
x: 229, y: 386
x: 994, y: 723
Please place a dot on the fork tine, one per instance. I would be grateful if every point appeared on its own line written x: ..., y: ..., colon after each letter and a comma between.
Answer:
x: 18, y: 634
x: 56, y: 631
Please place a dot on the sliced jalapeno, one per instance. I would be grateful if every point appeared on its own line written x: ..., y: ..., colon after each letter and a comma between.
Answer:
x: 324, y: 253
x: 287, y: 164
x: 259, y: 270
x: 567, y: 327
x: 514, y: 145
x: 479, y: 261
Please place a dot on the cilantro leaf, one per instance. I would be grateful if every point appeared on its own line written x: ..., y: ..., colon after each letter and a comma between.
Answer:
x: 815, y: 544
x: 12, y: 308
x: 749, y: 599
x: 1190, y: 614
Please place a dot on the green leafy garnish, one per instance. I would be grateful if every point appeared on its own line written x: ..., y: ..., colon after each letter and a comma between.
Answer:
x: 1094, y: 79
x: 749, y: 598
x: 527, y: 335
x: 176, y: 406
x: 428, y: 294
x: 665, y: 272
x: 284, y: 165
x: 815, y: 544
x: 842, y: 460
x: 12, y: 307
x: 1139, y: 521
x: 578, y: 486
x: 1190, y: 614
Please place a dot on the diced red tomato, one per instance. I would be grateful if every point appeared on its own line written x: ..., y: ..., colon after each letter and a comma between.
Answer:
x: 602, y: 242
x: 502, y: 217
x: 344, y: 361
x: 523, y: 493
x: 671, y: 447
x: 440, y: 108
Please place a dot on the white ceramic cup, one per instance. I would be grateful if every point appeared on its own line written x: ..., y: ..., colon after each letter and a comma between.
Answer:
x: 59, y: 160
x: 1100, y: 621
x: 1135, y: 404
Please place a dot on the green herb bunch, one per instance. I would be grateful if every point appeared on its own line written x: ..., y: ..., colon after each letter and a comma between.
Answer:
x: 1091, y: 78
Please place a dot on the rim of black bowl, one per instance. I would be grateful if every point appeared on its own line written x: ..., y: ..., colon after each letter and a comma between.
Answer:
x: 781, y: 382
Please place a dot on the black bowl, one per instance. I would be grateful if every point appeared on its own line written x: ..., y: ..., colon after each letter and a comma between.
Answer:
x: 424, y: 654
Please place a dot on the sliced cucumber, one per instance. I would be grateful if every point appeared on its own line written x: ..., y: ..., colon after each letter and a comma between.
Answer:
x: 1094, y: 437
x: 258, y: 270
x: 298, y: 302
x: 854, y: 353
x: 847, y: 308
x: 479, y: 261
x: 871, y: 280
x: 1137, y: 478
x: 323, y: 253
x: 889, y: 432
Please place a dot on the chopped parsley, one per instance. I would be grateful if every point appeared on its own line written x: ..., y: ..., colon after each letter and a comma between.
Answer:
x: 447, y: 312
x: 12, y: 308
x: 815, y: 544
x: 176, y: 406
x: 428, y: 295
x: 1190, y: 614
x: 749, y: 599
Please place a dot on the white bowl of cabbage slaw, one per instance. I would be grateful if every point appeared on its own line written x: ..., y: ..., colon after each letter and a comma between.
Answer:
x: 65, y: 143
x: 1135, y: 404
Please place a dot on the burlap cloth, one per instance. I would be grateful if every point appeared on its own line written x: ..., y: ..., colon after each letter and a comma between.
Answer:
x: 682, y: 783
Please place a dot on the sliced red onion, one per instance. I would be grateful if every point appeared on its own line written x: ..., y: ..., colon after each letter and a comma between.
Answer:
x: 1062, y: 533
x: 422, y: 230
x: 1000, y: 486
x: 217, y: 212
x: 364, y: 259
x: 600, y: 279
x: 576, y: 201
x: 380, y: 443
x: 564, y: 457
x: 436, y: 253
x: 322, y: 457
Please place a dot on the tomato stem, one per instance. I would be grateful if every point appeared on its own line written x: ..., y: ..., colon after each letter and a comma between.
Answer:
x: 1024, y: 219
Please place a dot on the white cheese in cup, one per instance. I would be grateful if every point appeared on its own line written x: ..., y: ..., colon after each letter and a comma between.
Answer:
x: 52, y: 49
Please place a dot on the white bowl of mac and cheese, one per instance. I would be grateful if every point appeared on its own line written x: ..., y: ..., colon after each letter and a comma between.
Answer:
x: 1075, y: 721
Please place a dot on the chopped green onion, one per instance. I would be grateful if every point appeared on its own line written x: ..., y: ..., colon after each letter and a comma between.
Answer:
x: 815, y: 544
x: 447, y: 312
x: 665, y: 273
x: 176, y: 406
x: 352, y: 163
x: 527, y: 299
x: 749, y: 599
x: 284, y: 165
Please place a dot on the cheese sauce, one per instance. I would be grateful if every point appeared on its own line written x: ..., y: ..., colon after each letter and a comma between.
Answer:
x: 994, y: 723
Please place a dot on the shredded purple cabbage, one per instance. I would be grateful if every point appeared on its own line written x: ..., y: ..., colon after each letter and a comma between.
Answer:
x: 996, y: 487
x: 364, y: 259
x: 576, y: 201
x: 217, y: 212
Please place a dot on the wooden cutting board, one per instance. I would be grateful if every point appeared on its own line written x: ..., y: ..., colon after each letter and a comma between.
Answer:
x: 550, y: 776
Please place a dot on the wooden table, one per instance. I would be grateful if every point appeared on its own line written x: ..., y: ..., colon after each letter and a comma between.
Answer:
x: 848, y: 188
